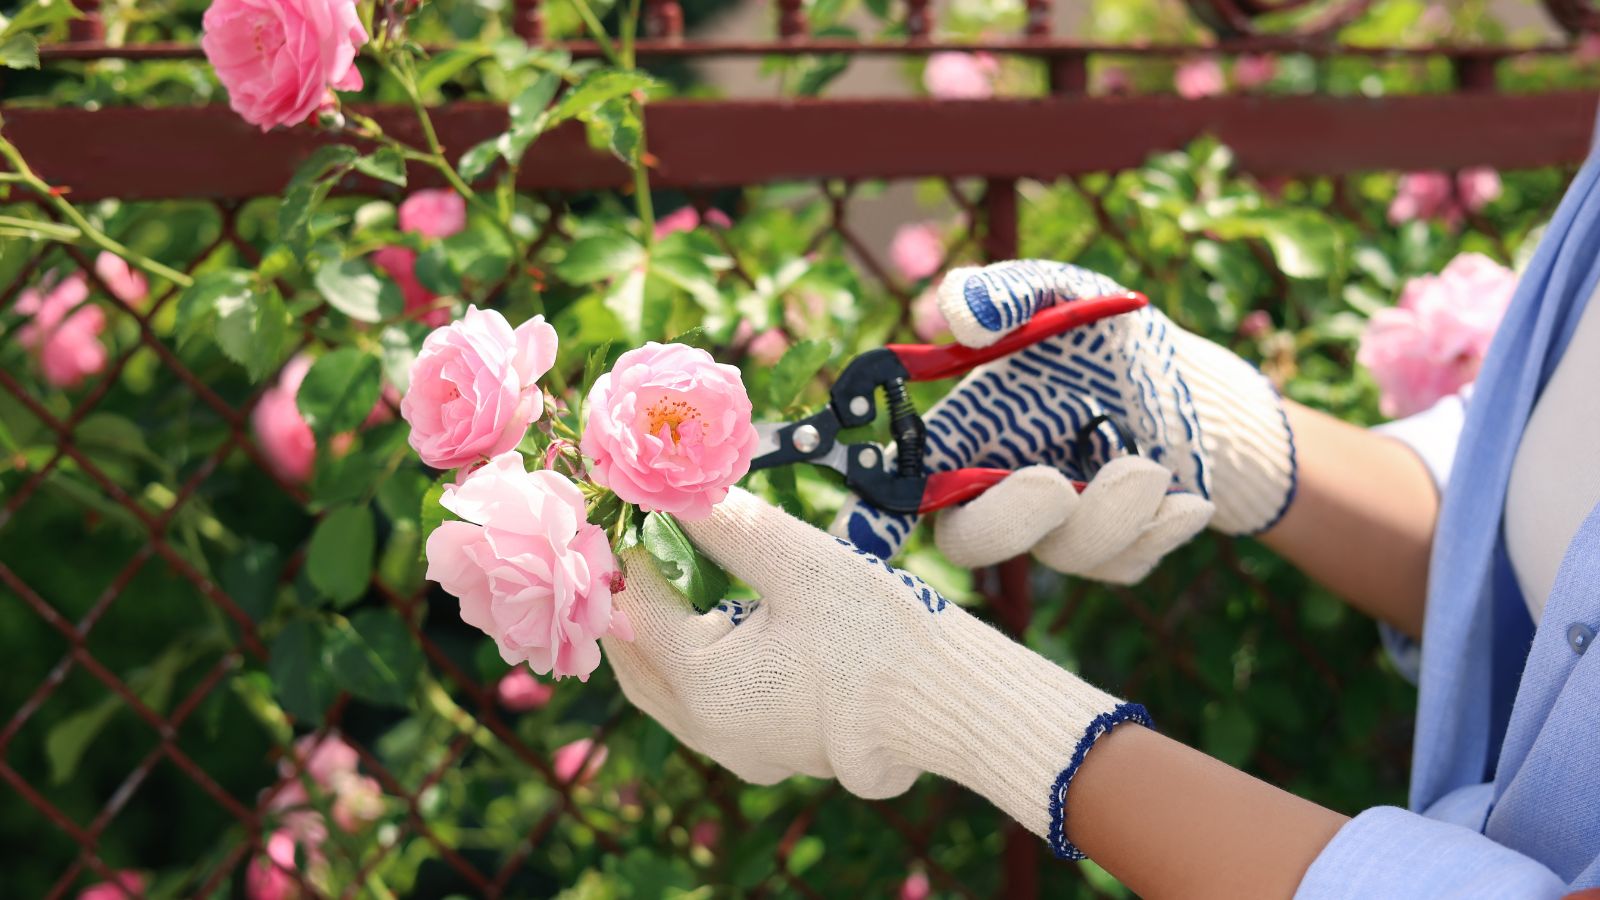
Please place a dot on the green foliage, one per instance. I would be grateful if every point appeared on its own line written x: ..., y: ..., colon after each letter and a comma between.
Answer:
x: 680, y: 563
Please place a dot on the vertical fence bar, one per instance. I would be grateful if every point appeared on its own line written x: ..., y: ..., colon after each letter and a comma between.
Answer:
x: 917, y: 19
x: 91, y: 27
x: 791, y: 18
x: 528, y: 20
x: 1476, y: 74
x: 663, y: 19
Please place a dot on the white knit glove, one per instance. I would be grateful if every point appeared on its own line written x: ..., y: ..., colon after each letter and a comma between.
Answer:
x: 849, y: 668
x: 1204, y: 420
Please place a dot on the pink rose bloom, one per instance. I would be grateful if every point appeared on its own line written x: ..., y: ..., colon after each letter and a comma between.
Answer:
x: 529, y: 571
x: 1256, y: 324
x: 357, y: 801
x: 569, y: 758
x: 927, y: 319
x: 687, y: 218
x: 1586, y: 52
x: 669, y: 429
x: 324, y: 757
x: 63, y: 331
x: 1478, y: 187
x: 1432, y: 343
x: 283, y: 436
x: 269, y: 877
x: 519, y: 691
x: 123, y: 281
x: 279, y: 58
x: 433, y: 213
x: 764, y: 349
x: 473, y: 391
x: 954, y: 75
x: 1254, y: 70
x: 705, y: 833
x: 1114, y: 80
x: 400, y: 264
x: 124, y: 884
x: 1425, y: 195
x: 915, y: 887
x: 1200, y: 78
x: 917, y: 250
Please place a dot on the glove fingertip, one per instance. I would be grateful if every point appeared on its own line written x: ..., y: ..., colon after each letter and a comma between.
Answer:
x: 968, y: 305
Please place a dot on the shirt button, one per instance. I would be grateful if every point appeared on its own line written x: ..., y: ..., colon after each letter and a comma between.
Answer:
x: 1579, y: 637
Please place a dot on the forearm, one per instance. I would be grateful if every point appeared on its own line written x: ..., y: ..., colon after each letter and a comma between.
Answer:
x: 1169, y: 821
x: 1361, y: 522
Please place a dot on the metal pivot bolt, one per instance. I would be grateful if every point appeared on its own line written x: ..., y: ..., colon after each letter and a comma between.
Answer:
x: 806, y: 438
x: 860, y: 406
x: 868, y: 456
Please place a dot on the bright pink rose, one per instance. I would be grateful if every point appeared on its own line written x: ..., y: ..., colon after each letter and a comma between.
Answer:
x: 400, y: 264
x: 915, y: 887
x: 124, y: 884
x: 63, y: 331
x: 917, y: 250
x: 927, y: 319
x: 1254, y: 70
x: 1432, y: 343
x: 270, y: 876
x: 283, y: 436
x: 473, y: 391
x: 764, y: 349
x: 1437, y: 196
x: 519, y: 691
x: 570, y: 758
x: 529, y: 571
x: 669, y: 429
x: 357, y: 801
x: 1200, y: 78
x: 433, y: 213
x: 122, y: 280
x: 954, y: 75
x: 1255, y: 324
x: 687, y: 218
x: 1478, y: 187
x: 705, y: 834
x: 331, y: 764
x: 279, y: 58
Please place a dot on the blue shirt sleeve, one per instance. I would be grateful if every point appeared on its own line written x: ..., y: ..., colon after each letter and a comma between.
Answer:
x: 1389, y: 852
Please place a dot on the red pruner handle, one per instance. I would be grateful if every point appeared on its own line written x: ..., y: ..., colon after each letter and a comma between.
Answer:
x: 960, y: 485
x: 931, y: 362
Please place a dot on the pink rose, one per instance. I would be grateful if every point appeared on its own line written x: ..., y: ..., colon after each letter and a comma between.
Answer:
x: 280, y: 58
x: 357, y: 801
x: 270, y: 876
x: 764, y: 349
x: 124, y: 884
x: 1200, y: 78
x: 1586, y: 52
x: 63, y: 332
x: 1113, y: 80
x: 283, y: 436
x: 582, y: 755
x: 1255, y: 324
x: 1432, y: 343
x: 473, y: 391
x: 331, y: 765
x: 1254, y: 70
x: 529, y: 571
x: 400, y: 264
x: 705, y: 834
x: 915, y: 887
x: 519, y: 691
x: 687, y: 218
x: 433, y: 213
x: 123, y: 281
x: 917, y: 250
x: 954, y: 75
x: 1437, y: 196
x: 927, y: 319
x: 669, y: 429
x: 1478, y: 187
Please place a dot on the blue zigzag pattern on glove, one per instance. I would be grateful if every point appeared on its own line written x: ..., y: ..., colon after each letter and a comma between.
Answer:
x: 737, y: 610
x: 931, y: 599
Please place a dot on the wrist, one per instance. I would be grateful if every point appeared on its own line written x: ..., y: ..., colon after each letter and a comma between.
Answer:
x: 1004, y: 722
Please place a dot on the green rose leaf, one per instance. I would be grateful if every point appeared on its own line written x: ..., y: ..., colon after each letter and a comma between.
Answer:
x: 373, y: 657
x: 351, y: 287
x: 796, y: 369
x: 599, y: 257
x: 385, y: 165
x: 253, y: 329
x: 340, y: 390
x: 299, y: 672
x: 686, y: 568
x: 339, y: 562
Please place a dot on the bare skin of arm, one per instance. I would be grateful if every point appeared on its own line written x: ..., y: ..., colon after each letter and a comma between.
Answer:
x: 1169, y: 821
x: 1362, y: 519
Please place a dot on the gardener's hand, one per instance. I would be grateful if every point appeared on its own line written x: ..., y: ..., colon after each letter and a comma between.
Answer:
x: 848, y: 668
x: 1205, y: 421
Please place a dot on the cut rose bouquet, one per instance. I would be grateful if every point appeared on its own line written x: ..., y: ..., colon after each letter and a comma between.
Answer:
x: 530, y: 555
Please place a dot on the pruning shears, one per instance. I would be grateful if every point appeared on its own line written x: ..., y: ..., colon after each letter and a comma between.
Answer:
x: 903, y: 484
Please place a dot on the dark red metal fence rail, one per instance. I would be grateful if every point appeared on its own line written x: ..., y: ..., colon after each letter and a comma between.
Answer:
x: 208, y: 154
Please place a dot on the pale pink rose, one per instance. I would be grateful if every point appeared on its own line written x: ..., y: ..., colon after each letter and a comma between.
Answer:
x: 1425, y: 195
x: 915, y: 887
x: 768, y: 347
x: 955, y: 75
x: 1586, y: 52
x: 1256, y: 324
x: 473, y: 387
x: 123, y: 281
x: 331, y: 764
x: 927, y: 319
x: 582, y: 754
x: 1254, y: 70
x: 63, y: 332
x: 1113, y: 80
x: 283, y: 436
x: 324, y: 757
x: 1200, y: 78
x: 519, y: 691
x: 124, y: 884
x: 669, y: 429
x: 1432, y: 343
x: 400, y: 264
x: 1478, y: 187
x: 917, y: 250
x: 357, y: 801
x: 433, y: 213
x: 269, y: 877
x: 280, y: 58
x: 529, y: 571
x: 687, y: 218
